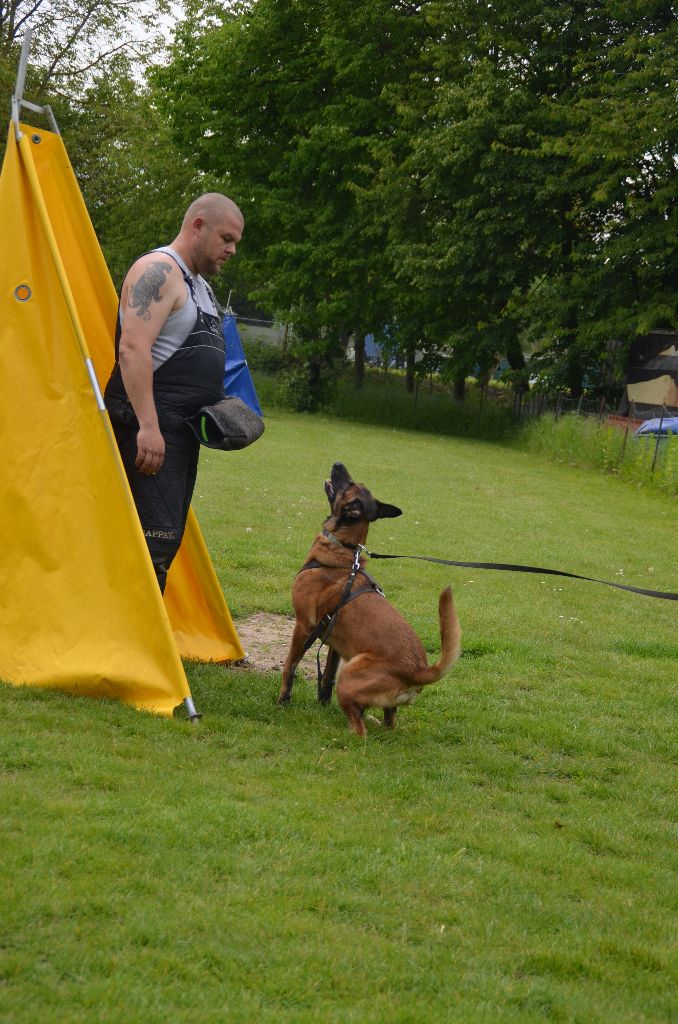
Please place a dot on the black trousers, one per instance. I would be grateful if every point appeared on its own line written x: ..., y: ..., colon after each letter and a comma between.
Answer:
x: 162, y: 500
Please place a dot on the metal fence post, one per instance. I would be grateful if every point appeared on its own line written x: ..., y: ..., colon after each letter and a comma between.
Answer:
x: 631, y: 410
x: 659, y: 437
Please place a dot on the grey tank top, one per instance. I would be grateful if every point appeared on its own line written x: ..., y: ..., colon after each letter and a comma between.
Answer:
x: 179, y: 324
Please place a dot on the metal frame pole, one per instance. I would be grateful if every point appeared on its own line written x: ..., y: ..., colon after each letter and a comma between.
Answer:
x: 18, y: 95
x: 193, y: 715
x: 658, y: 441
x: 18, y: 100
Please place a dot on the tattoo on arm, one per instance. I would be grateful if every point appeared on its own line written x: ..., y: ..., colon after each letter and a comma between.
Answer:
x: 147, y: 288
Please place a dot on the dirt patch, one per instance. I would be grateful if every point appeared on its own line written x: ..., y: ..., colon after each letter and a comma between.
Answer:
x: 266, y: 639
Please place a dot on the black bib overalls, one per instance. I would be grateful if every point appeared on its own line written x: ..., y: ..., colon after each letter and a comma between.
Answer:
x: 192, y: 377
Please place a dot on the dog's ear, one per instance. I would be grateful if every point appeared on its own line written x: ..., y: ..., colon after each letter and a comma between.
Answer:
x: 385, y: 511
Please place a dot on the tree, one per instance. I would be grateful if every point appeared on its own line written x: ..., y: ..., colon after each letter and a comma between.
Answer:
x: 87, y: 62
x: 619, y: 140
x: 135, y: 183
x: 285, y: 107
x: 72, y: 40
x: 526, y: 172
x: 466, y: 174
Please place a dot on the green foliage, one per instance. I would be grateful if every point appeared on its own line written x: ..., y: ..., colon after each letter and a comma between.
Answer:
x: 476, y: 181
x: 582, y: 441
x: 468, y: 182
x: 507, y: 855
x: 277, y: 136
x: 87, y: 64
x: 383, y: 401
x: 134, y: 181
x: 301, y: 389
x: 264, y: 357
x: 610, y: 137
x: 72, y: 42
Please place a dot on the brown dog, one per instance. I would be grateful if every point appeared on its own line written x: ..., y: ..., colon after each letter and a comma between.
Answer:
x: 380, y: 658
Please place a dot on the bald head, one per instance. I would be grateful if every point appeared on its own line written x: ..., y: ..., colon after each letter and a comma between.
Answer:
x: 210, y: 231
x: 211, y: 207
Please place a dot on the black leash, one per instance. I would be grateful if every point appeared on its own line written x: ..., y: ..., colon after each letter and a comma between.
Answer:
x: 324, y: 628
x: 527, y: 568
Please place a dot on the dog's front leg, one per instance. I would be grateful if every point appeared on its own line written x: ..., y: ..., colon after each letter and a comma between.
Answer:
x: 326, y: 684
x: 294, y: 656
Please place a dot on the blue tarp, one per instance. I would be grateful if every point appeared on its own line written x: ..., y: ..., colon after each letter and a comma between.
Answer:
x: 667, y: 425
x: 238, y: 379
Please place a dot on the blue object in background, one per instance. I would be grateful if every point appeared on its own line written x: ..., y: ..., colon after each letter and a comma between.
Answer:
x: 669, y: 424
x: 238, y: 381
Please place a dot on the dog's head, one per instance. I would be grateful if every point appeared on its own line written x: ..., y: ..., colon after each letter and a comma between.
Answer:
x: 353, y: 503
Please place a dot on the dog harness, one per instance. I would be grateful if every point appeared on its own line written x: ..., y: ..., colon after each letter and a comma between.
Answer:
x: 324, y: 628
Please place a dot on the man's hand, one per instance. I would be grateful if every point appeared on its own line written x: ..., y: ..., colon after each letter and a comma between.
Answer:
x: 150, y: 450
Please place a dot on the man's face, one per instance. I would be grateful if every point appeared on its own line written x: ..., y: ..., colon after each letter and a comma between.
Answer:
x: 215, y: 241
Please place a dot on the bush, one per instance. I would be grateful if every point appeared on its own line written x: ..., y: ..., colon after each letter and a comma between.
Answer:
x: 387, y: 403
x: 301, y: 389
x: 583, y: 441
x: 265, y: 357
x: 383, y: 400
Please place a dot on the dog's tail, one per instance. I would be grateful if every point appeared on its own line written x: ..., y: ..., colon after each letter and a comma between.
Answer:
x: 450, y: 636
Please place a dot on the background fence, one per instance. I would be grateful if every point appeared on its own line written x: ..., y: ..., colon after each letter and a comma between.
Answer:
x: 527, y: 406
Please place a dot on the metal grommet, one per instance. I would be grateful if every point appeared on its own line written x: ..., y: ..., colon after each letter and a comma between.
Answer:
x: 36, y: 138
x: 22, y: 293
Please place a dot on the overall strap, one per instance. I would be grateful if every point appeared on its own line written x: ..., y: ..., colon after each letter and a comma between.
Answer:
x: 184, y: 273
x: 186, y: 276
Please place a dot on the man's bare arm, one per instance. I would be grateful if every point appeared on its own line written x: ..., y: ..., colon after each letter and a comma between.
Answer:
x: 147, y: 288
x: 153, y: 289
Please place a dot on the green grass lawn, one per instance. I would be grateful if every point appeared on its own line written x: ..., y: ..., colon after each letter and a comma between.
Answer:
x: 508, y: 854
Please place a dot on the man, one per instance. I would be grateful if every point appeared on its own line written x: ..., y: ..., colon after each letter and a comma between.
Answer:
x: 169, y: 363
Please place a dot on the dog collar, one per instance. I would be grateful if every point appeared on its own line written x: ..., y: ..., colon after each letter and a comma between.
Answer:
x: 342, y: 544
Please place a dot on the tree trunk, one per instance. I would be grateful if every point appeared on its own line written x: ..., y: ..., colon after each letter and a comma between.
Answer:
x: 410, y: 353
x: 459, y: 389
x: 314, y: 382
x: 515, y: 355
x: 359, y: 366
x: 574, y: 371
x: 575, y: 377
